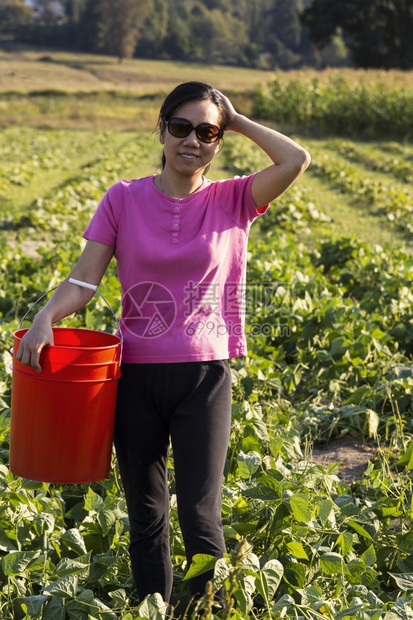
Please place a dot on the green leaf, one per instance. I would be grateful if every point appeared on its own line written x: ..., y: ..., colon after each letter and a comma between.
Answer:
x: 368, y: 577
x: 93, y: 501
x: 295, y: 574
x: 369, y: 556
x: 5, y: 543
x: 14, y: 564
x: 45, y: 522
x: 66, y: 566
x: 297, y: 550
x: 65, y: 587
x: 404, y: 581
x: 244, y: 602
x: 38, y: 563
x: 74, y: 540
x: 405, y: 565
x: 250, y: 443
x: 406, y: 543
x: 262, y: 587
x: 152, y: 608
x: 119, y: 597
x: 251, y: 563
x: 273, y: 572
x: 262, y: 492
x: 300, y: 507
x: 325, y: 508
x: 54, y: 610
x: 222, y: 571
x: 248, y: 464
x: 106, y: 519
x: 350, y: 612
x: 338, y: 346
x: 331, y: 563
x: 84, y: 604
x: 354, y: 571
x: 311, y: 595
x: 401, y: 609
x: 407, y: 458
x: 333, y: 469
x: 32, y: 604
x: 276, y: 446
x: 285, y: 601
x: 32, y: 485
x: 201, y: 563
x: 345, y: 542
x: 359, y: 529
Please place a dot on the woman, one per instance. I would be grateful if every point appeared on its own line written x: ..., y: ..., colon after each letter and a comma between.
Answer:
x: 180, y: 242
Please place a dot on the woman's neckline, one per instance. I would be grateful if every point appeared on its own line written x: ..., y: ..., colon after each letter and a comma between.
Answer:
x: 161, y: 187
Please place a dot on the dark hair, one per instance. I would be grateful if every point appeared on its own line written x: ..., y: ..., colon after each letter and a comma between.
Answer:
x: 192, y: 91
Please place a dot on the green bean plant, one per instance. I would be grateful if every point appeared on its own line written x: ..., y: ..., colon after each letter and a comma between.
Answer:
x: 330, y: 343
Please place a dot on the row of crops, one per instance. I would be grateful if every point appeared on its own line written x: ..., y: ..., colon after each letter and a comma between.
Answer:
x: 340, y: 103
x: 330, y: 333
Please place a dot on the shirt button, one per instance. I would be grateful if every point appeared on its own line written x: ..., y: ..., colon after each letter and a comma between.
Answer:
x: 177, y: 208
x: 176, y: 225
x: 174, y: 234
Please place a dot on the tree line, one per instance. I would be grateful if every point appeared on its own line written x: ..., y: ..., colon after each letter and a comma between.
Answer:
x: 266, y: 34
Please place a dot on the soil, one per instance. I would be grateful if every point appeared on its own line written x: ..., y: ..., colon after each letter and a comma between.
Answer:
x: 29, y: 246
x: 352, y: 453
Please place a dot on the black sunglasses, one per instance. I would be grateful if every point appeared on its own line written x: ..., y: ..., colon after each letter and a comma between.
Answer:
x: 181, y: 128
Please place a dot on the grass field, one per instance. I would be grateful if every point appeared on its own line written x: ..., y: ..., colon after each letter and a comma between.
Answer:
x: 60, y: 89
x: 27, y: 71
x: 41, y: 163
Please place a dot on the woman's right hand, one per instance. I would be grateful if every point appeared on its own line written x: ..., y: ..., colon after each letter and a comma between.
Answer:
x: 38, y: 336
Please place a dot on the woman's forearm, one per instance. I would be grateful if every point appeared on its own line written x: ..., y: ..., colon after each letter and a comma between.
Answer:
x: 279, y: 148
x: 67, y: 299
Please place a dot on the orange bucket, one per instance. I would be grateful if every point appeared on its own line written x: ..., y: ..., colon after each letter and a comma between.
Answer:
x: 62, y: 419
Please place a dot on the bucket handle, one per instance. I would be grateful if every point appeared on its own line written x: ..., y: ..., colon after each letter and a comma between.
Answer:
x: 92, y: 287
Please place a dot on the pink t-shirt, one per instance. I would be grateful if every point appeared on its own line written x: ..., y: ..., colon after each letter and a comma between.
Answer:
x: 182, y: 267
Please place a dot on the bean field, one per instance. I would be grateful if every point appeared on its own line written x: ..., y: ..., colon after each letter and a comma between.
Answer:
x: 329, y: 308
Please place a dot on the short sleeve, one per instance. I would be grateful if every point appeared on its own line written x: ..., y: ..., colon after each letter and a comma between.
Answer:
x: 235, y: 197
x: 104, y: 224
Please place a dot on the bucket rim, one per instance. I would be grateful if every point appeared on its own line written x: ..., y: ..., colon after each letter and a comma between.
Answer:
x: 22, y: 331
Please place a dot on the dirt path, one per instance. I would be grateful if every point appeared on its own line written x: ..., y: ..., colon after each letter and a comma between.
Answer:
x: 350, y: 452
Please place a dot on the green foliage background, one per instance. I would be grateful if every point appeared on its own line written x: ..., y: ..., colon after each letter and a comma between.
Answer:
x: 330, y: 337
x: 267, y: 34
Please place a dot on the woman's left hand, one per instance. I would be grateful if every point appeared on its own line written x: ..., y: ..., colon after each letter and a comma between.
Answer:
x: 232, y: 113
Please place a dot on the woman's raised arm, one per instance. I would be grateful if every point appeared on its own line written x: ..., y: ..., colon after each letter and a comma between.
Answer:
x: 289, y: 158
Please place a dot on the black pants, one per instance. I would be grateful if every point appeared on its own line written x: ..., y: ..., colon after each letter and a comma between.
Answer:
x: 189, y: 403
